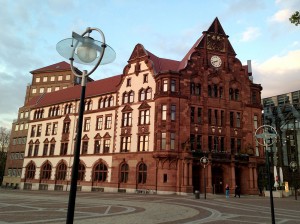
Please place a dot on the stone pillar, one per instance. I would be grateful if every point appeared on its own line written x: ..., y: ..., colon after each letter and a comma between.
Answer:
x: 255, y: 178
x: 250, y: 177
x: 190, y: 177
x: 185, y: 174
x: 233, y: 182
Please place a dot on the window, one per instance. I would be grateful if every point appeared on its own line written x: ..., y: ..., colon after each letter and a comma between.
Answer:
x: 125, y: 97
x: 33, y: 90
x: 39, y: 131
x: 192, y: 88
x: 238, y: 120
x: 66, y: 127
x: 37, y: 79
x: 199, y: 115
x: 231, y: 119
x: 172, y: 142
x: 145, y: 80
x: 42, y: 89
x: 199, y: 142
x: 131, y: 97
x: 33, y: 130
x: 17, y: 127
x: 36, y: 150
x: 165, y: 180
x: 56, y: 88
x: 216, y: 120
x: 253, y: 97
x: 108, y: 122
x: 99, y: 123
x: 142, y: 95
x: 142, y: 173
x: 143, y: 144
x: 84, y: 149
x: 88, y: 105
x: 127, y: 119
x: 222, y: 118
x: 111, y: 101
x: 54, y: 129
x: 60, y: 77
x: 144, y: 117
x: 45, y: 149
x: 101, y: 103
x: 52, y: 78
x: 164, y: 112
x: 81, y: 172
x: 30, y: 171
x: 97, y: 146
x: 198, y: 89
x: 106, y: 146
x: 255, y: 121
x: 87, y: 124
x: 26, y: 114
x: 163, y: 140
x: 46, y: 172
x: 52, y: 148
x: 238, y: 145
x: 21, y: 115
x: 63, y: 148
x: 173, y: 85
x: 48, y: 129
x: 124, y: 173
x: 68, y: 77
x: 192, y: 116
x: 232, y: 145
x: 165, y: 85
x: 100, y: 172
x: 173, y: 112
x: 209, y: 117
x: 61, y: 171
x: 148, y: 94
x: 68, y: 108
x: 125, y: 143
x: 222, y: 144
x: 128, y: 82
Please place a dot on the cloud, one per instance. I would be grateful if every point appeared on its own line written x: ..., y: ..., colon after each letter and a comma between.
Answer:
x: 282, y: 15
x: 250, y: 34
x: 279, y: 74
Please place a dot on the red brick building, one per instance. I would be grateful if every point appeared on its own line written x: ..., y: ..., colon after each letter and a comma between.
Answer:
x: 149, y: 127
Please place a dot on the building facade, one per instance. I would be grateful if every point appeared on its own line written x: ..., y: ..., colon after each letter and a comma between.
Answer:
x: 44, y: 80
x: 147, y: 128
x: 283, y: 113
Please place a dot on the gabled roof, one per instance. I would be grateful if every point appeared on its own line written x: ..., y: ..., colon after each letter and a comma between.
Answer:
x: 95, y: 88
x: 61, y: 66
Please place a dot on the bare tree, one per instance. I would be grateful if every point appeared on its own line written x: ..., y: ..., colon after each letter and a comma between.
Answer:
x: 4, y: 142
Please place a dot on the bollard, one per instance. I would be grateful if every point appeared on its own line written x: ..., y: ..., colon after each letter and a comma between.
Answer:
x: 197, y: 194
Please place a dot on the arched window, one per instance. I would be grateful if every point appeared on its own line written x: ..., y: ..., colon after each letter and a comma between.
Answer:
x: 231, y: 92
x: 125, y: 97
x: 106, y: 104
x: 131, y: 97
x: 61, y: 171
x: 46, y: 171
x: 50, y: 112
x: 30, y: 171
x: 100, y: 172
x: 101, y: 103
x: 124, y: 173
x: 142, y: 95
x: 111, y: 101
x: 142, y: 173
x: 81, y: 172
x: 148, y: 94
x: 209, y: 91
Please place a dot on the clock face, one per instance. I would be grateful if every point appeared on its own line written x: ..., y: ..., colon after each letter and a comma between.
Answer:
x: 216, y: 61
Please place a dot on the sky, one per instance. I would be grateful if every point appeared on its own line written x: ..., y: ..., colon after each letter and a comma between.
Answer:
x: 259, y: 30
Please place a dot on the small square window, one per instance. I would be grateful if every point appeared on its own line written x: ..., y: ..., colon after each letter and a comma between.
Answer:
x: 42, y: 90
x: 37, y: 79
x: 34, y: 90
x: 60, y: 78
x: 52, y: 78
x: 56, y: 88
x: 45, y: 79
x: 49, y: 89
x: 68, y: 77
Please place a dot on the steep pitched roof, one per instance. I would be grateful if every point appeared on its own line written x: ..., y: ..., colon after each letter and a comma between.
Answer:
x: 61, y: 66
x: 163, y: 64
x: 95, y: 88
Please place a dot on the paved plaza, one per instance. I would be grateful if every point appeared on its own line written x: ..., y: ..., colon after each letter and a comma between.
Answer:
x: 113, y: 208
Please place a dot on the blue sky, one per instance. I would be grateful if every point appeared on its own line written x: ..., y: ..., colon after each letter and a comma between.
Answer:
x: 259, y: 30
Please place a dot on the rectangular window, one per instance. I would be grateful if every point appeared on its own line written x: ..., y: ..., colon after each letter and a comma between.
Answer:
x: 199, y: 143
x: 163, y: 140
x: 37, y: 79
x: 60, y: 77
x: 209, y: 116
x: 39, y: 130
x: 192, y: 88
x: 56, y: 88
x: 164, y: 112
x: 128, y: 82
x: 216, y: 120
x: 108, y: 122
x: 99, y: 123
x: 145, y: 78
x: 63, y: 148
x: 173, y: 112
x: 192, y: 142
x: 97, y: 146
x: 192, y: 114
x: 238, y: 120
x: 143, y: 143
x: 30, y: 150
x: 210, y: 143
x: 173, y: 85
x: 66, y: 127
x: 68, y: 77
x: 255, y: 121
x: 199, y: 115
x: 222, y: 144
x: 17, y: 127
x: 126, y: 119
x: 48, y: 129
x: 54, y: 129
x: 36, y: 150
x: 231, y: 119
x: 84, y: 149
x: 144, y: 117
x: 106, y: 145
x: 198, y: 90
x: 222, y: 118
x: 52, y: 149
x: 87, y: 124
x: 238, y: 145
x: 216, y: 143
x: 165, y: 85
x: 33, y: 130
x: 52, y: 78
x: 34, y: 90
x: 172, y: 141
x: 165, y: 178
x: 125, y: 144
x: 232, y: 145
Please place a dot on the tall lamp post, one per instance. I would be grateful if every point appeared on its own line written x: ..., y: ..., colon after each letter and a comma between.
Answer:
x: 82, y: 49
x: 293, y: 166
x: 269, y: 135
x: 204, y: 161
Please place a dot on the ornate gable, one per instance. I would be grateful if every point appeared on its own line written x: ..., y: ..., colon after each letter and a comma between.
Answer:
x: 85, y: 137
x: 52, y: 140
x: 97, y: 136
x: 138, y: 52
x: 144, y: 106
x: 106, y: 135
x: 46, y: 141
x: 127, y: 108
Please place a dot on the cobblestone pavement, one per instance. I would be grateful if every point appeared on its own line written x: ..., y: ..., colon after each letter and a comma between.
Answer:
x: 30, y: 207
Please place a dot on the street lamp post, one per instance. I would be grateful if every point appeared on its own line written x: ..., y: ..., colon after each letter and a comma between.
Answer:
x: 268, y: 136
x: 204, y: 161
x: 85, y: 50
x: 293, y: 166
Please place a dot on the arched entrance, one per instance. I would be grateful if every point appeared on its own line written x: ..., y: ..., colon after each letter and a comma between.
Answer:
x: 217, y: 180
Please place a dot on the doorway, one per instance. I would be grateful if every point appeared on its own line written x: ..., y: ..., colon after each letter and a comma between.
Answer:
x: 217, y: 180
